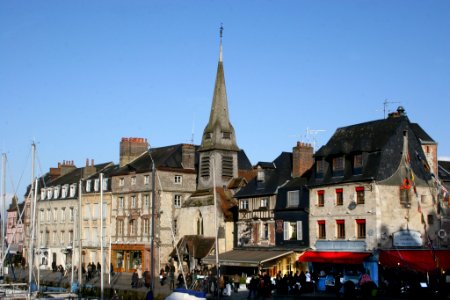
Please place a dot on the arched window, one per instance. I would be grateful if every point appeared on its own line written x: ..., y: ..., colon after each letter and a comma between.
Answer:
x: 200, y: 225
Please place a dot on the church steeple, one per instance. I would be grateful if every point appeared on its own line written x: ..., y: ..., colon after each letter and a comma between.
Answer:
x: 218, y: 150
x: 219, y: 133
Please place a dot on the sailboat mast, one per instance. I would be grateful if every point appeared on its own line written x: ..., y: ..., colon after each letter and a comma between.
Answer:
x: 3, y: 209
x: 33, y: 192
x: 101, y: 235
x: 215, y: 220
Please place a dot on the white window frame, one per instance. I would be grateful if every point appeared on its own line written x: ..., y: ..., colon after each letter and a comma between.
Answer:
x: 133, y: 201
x: 146, y: 179
x: 265, y: 202
x: 178, y: 179
x: 133, y: 180
x: 293, y: 198
x: 121, y: 181
x: 88, y: 185
x: 121, y: 201
x: 177, y: 199
x: 147, y: 200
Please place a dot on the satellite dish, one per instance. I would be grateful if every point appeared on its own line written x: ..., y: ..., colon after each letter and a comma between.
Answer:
x: 352, y: 205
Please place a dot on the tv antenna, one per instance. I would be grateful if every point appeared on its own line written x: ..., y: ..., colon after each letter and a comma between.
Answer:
x: 385, y: 104
x: 311, y: 135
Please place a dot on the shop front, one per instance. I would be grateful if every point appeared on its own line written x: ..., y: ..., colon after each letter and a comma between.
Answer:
x: 127, y: 258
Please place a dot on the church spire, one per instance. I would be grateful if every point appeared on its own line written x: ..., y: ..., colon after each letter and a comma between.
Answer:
x: 219, y: 133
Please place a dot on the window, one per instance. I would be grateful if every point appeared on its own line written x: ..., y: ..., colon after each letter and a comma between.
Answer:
x: 146, y: 179
x: 62, y: 238
x: 73, y: 189
x: 121, y: 202
x: 146, y: 226
x: 64, y: 191
x: 177, y: 201
x: 71, y: 236
x: 208, y: 135
x: 265, y: 231
x: 71, y: 214
x: 200, y: 225
x: 320, y: 198
x: 43, y: 194
x: 226, y: 135
x: 105, y: 184
x: 96, y: 213
x: 319, y: 168
x: 133, y: 201
x: 293, y: 231
x: 243, y: 204
x: 340, y: 229
x: 360, y: 228
x: 338, y: 166
x: 57, y: 188
x: 121, y: 181
x: 42, y: 215
x: 133, y: 180
x: 264, y: 202
x: 88, y: 185
x: 357, y: 164
x: 359, y: 195
x: 96, y: 184
x: 133, y: 227
x: 204, y: 166
x: 147, y: 200
x: 63, y: 215
x: 321, y: 229
x: 339, y: 197
x: 54, y: 237
x: 178, y: 179
x: 55, y: 215
x: 87, y: 211
x: 120, y: 227
x: 49, y: 193
x: 293, y: 198
x: 227, y: 166
x: 49, y: 215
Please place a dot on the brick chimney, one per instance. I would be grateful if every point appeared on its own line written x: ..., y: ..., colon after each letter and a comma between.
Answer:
x: 89, y: 169
x: 63, y: 168
x: 131, y: 148
x: 302, y: 158
x: 188, y: 156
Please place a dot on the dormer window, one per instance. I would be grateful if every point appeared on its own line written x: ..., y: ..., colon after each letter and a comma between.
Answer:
x: 133, y: 180
x: 121, y: 181
x: 105, y: 184
x: 178, y: 179
x: 96, y: 184
x: 49, y: 193
x: 56, y: 192
x: 43, y: 194
x: 293, y: 198
x: 319, y: 168
x: 261, y: 175
x: 226, y: 135
x: 338, y: 166
x: 88, y: 185
x: 73, y: 188
x: 64, y: 191
x: 357, y: 164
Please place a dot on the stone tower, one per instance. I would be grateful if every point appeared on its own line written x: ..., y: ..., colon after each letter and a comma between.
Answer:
x: 218, y: 150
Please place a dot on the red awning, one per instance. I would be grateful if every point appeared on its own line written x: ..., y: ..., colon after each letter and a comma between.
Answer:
x: 334, y: 257
x: 418, y: 260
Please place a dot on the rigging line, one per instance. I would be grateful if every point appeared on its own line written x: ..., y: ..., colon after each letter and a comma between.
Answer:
x: 15, y: 189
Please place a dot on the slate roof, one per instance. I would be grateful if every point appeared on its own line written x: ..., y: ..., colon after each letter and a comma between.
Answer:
x: 381, y: 144
x: 168, y: 157
x: 297, y: 183
x: 278, y: 173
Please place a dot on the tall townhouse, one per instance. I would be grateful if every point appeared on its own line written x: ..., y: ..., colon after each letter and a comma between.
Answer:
x: 375, y: 202
x: 133, y: 187
x: 14, y: 227
x: 93, y: 191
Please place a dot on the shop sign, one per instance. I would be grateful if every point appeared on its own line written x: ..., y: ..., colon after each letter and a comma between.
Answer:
x: 407, y: 238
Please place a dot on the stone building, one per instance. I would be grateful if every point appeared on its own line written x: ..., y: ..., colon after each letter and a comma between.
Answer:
x: 373, y: 189
x: 132, y: 186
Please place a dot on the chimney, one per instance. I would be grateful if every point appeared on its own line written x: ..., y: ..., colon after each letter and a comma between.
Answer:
x: 62, y: 169
x: 188, y: 156
x: 131, y: 148
x: 88, y: 170
x: 302, y: 158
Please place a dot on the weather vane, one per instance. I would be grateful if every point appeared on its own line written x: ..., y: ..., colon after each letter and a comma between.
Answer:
x: 221, y: 29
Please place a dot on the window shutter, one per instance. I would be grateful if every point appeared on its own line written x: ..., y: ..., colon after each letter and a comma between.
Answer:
x: 286, y: 231
x: 299, y: 231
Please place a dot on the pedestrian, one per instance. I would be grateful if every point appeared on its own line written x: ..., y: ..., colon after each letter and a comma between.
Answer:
x: 236, y: 281
x: 140, y: 277
x: 134, y: 280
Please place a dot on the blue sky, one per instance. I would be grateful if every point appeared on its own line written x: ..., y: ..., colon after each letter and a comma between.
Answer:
x: 77, y: 76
